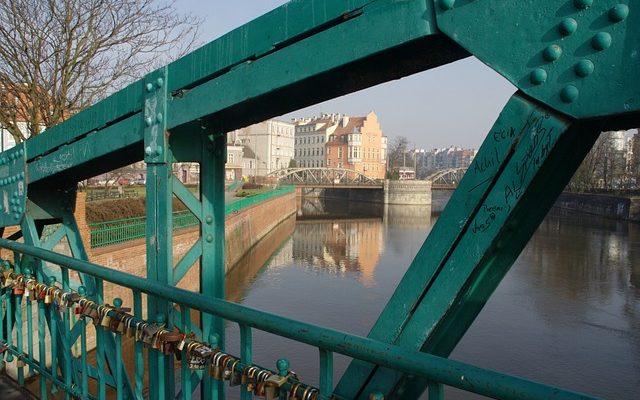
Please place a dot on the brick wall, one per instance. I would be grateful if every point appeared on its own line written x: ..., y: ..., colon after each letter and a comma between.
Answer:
x: 243, y: 229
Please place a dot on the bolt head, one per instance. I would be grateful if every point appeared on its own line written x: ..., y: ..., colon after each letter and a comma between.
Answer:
x: 209, y: 238
x: 582, y: 4
x: 569, y: 94
x: 619, y: 13
x: 552, y: 53
x: 538, y: 76
x: 159, y: 82
x: 568, y: 26
x: 446, y: 4
x: 148, y: 151
x: 148, y: 121
x: 149, y: 87
x: 159, y: 118
x: 584, y: 68
x: 209, y: 219
x: 601, y: 41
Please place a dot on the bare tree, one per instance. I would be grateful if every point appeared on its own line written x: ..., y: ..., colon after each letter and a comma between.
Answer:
x: 605, y: 167
x: 60, y: 56
x: 397, y: 152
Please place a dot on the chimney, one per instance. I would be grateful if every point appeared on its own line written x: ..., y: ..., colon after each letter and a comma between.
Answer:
x: 345, y: 121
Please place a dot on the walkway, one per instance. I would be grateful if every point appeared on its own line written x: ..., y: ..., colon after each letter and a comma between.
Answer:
x: 10, y: 390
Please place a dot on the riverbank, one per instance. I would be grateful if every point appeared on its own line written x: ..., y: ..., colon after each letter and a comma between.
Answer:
x: 611, y: 206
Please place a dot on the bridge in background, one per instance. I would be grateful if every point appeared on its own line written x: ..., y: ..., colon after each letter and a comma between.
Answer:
x: 340, y: 178
x: 325, y: 178
x: 446, y: 179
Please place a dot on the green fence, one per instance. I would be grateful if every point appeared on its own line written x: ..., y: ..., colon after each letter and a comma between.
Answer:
x: 122, y: 230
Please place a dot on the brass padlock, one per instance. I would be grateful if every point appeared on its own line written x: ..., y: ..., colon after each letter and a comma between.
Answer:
x: 182, y: 342
x: 47, y: 296
x: 272, y: 386
x: 236, y: 375
x: 215, y: 370
x: 27, y: 290
x: 105, y: 321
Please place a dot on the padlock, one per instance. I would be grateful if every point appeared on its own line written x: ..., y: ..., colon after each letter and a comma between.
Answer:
x: 181, y: 343
x: 20, y: 363
x: 226, y: 370
x: 293, y: 391
x: 273, y: 384
x: 236, y: 375
x: 105, y: 321
x: 215, y: 370
x: 47, y: 296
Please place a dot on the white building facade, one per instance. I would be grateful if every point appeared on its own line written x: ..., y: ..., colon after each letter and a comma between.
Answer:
x: 311, y: 136
x: 268, y: 146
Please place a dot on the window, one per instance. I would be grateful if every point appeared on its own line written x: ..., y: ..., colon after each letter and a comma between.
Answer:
x: 340, y: 152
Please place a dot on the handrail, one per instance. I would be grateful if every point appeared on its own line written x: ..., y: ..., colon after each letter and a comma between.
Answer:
x: 437, y: 369
x: 125, y: 229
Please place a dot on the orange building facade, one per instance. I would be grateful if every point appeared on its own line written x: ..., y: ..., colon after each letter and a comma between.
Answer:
x: 357, y: 143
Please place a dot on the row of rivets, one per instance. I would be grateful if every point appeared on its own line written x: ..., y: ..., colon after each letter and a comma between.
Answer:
x: 13, y: 156
x: 600, y: 41
x: 159, y: 84
x: 12, y: 179
x: 16, y: 205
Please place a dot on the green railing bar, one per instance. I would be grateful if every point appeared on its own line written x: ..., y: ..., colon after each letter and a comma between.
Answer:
x: 437, y: 369
x: 125, y: 229
x: 246, y: 346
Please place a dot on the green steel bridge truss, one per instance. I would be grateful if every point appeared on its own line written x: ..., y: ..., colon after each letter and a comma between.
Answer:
x: 574, y: 62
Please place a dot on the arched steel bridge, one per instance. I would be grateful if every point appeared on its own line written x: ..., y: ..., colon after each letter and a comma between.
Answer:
x: 446, y: 178
x: 325, y: 178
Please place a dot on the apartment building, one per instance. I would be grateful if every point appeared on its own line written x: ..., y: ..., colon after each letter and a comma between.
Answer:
x: 267, y: 146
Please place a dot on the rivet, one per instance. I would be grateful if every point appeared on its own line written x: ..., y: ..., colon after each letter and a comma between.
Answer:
x: 582, y: 4
x: 538, y: 76
x: 601, y: 41
x: 209, y: 219
x: 21, y: 175
x: 148, y: 121
x: 158, y: 151
x: 12, y: 156
x: 159, y: 82
x: 446, y: 4
x: 568, y: 26
x: 149, y: 87
x: 148, y: 151
x: 619, y: 12
x: 159, y: 118
x: 584, y: 68
x: 569, y: 94
x: 16, y: 216
x: 209, y: 238
x: 552, y: 52
x: 21, y: 152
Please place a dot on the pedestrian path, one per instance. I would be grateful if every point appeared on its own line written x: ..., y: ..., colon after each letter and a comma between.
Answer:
x: 10, y: 390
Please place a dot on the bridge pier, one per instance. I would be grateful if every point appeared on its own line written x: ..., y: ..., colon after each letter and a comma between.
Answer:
x: 407, y: 192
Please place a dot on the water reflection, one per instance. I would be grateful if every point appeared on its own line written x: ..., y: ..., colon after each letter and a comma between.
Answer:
x: 567, y: 314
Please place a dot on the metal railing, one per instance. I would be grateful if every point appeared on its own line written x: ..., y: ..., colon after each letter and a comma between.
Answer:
x: 66, y: 368
x: 123, y: 230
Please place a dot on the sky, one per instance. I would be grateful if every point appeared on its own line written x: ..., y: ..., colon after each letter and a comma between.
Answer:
x: 453, y: 105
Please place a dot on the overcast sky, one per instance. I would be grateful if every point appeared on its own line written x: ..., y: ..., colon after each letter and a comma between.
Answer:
x: 452, y: 105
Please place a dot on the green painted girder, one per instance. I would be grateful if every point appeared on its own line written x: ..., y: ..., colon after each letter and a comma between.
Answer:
x: 511, y: 184
x: 216, y: 86
x: 578, y: 57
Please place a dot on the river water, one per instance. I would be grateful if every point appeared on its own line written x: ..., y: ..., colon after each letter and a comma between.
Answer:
x: 567, y: 313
